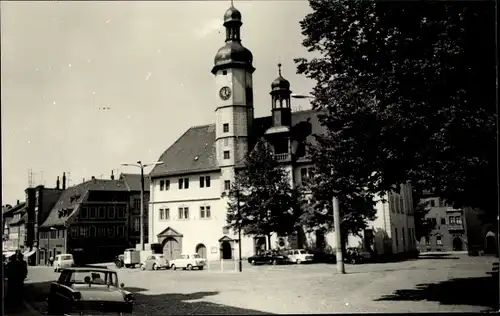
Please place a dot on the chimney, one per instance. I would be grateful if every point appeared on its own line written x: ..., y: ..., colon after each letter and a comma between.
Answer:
x: 17, y: 202
x: 64, y: 181
x: 57, y: 183
x: 112, y: 175
x: 93, y: 178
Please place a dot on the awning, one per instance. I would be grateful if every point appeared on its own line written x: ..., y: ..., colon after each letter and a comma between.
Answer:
x: 29, y: 253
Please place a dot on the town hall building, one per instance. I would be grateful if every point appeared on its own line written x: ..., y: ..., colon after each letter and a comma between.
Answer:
x: 187, y: 209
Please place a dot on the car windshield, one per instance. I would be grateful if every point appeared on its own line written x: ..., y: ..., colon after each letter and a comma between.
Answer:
x: 160, y: 257
x: 302, y: 252
x: 95, y: 276
x: 67, y: 257
x: 196, y: 256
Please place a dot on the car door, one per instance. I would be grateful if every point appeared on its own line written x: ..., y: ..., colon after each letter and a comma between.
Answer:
x: 149, y: 262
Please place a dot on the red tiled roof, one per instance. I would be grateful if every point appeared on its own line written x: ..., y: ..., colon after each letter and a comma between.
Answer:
x: 194, y: 151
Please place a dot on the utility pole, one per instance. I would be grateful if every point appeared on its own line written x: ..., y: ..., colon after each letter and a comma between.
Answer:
x: 240, y: 264
x: 338, y: 236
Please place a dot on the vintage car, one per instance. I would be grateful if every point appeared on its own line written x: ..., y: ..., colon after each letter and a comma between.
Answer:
x: 299, y: 256
x: 269, y: 257
x: 155, y: 262
x: 63, y: 261
x: 188, y: 261
x: 88, y: 290
x: 119, y: 261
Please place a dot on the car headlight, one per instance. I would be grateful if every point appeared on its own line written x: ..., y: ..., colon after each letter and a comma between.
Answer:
x: 76, y: 296
x: 129, y: 297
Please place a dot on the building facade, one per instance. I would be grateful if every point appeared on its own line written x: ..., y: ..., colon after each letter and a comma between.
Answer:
x: 187, y: 210
x: 13, y: 217
x: 133, y: 183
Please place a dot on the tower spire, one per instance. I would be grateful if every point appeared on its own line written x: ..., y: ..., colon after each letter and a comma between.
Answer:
x: 279, y: 69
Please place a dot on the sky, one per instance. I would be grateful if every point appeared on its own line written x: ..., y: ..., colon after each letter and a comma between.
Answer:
x: 88, y: 85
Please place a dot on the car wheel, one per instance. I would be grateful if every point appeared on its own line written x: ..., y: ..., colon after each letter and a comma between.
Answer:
x: 155, y: 267
x: 252, y: 262
x: 173, y: 267
x: 275, y: 262
x: 298, y: 261
x: 200, y: 267
x: 189, y: 267
x: 143, y: 267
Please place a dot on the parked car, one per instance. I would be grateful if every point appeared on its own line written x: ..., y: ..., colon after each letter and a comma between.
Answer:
x: 119, y: 261
x: 155, y: 262
x: 63, y: 261
x: 88, y: 290
x: 270, y: 257
x: 299, y: 256
x: 188, y: 261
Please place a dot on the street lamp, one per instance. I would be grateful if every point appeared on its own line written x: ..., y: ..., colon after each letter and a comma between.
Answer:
x: 48, y: 241
x: 139, y: 164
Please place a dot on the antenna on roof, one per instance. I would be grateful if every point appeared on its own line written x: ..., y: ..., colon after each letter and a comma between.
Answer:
x: 41, y: 178
x: 68, y: 179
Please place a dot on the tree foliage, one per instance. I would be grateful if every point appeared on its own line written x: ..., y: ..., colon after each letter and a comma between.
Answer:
x: 266, y: 199
x: 423, y: 226
x: 407, y: 91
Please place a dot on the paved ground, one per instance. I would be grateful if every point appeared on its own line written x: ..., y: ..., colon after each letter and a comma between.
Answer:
x: 434, y: 284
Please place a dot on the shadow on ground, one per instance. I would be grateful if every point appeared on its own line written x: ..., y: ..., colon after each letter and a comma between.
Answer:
x: 437, y: 256
x: 480, y: 291
x: 162, y: 304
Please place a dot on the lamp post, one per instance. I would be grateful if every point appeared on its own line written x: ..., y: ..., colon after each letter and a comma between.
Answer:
x: 140, y: 165
x: 48, y: 242
x: 336, y: 214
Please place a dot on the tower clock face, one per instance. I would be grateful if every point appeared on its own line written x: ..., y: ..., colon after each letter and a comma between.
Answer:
x: 225, y: 93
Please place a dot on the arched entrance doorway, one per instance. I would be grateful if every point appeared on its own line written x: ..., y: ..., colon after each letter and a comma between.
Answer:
x: 458, y: 244
x: 201, y: 250
x: 171, y: 248
x: 226, y: 250
x: 491, y: 244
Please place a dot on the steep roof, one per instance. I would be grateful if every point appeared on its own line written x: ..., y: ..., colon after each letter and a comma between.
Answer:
x: 68, y: 202
x: 133, y: 181
x: 9, y: 211
x: 194, y: 151
x: 22, y: 219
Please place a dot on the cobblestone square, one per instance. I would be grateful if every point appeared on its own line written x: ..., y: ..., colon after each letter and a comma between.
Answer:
x: 453, y: 283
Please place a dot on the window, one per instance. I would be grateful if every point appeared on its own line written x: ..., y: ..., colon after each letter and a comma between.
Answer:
x: 93, y: 213
x: 136, y: 224
x: 403, y: 236
x: 227, y: 185
x: 121, y: 212
x: 92, y: 231
x: 167, y: 185
x: 102, y: 212
x: 427, y: 240
x: 111, y: 212
x: 137, y: 204
x: 74, y: 231
x: 53, y: 234
x: 451, y: 220
x: 439, y: 242
x: 401, y: 204
x: 225, y: 230
x: 224, y: 72
x: 183, y: 213
x: 458, y: 220
x: 303, y: 174
x: 162, y: 185
x: 396, y: 237
x: 83, y: 213
x: 162, y: 214
x: 226, y: 154
x: 183, y: 183
x: 121, y: 231
x: 205, y: 182
x: 205, y: 212
x: 443, y: 221
x: 225, y: 128
x: 111, y: 232
x: 167, y: 213
x: 432, y: 203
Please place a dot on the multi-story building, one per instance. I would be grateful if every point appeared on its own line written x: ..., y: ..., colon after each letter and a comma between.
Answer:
x: 12, y: 219
x: 133, y: 183
x: 17, y: 228
x: 187, y: 212
x: 90, y: 220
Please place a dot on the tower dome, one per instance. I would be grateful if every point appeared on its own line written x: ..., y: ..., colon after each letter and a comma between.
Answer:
x: 233, y: 53
x: 280, y: 83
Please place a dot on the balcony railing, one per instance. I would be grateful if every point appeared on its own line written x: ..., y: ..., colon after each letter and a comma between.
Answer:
x: 282, y: 157
x: 455, y: 227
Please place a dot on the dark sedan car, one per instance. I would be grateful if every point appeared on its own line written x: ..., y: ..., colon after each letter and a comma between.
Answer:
x: 89, y: 290
x: 267, y: 258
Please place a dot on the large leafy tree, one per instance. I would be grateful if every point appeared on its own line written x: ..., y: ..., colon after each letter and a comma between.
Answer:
x: 423, y: 225
x: 261, y: 200
x: 407, y: 91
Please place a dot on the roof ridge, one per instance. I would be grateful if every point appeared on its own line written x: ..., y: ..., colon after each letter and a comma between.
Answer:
x: 200, y: 126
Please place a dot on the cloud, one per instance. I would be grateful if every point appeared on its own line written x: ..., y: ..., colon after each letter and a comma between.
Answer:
x: 211, y: 26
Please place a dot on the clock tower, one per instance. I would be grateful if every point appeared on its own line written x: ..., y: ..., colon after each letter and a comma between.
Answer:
x: 234, y: 94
